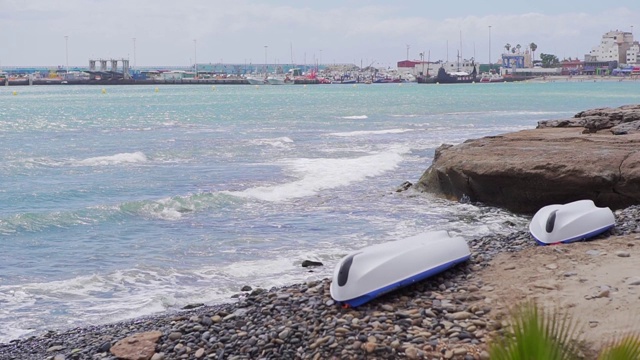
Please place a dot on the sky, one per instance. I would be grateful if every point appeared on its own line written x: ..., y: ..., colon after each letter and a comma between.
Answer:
x: 379, y: 33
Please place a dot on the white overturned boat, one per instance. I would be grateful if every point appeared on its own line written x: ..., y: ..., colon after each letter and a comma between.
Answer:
x: 375, y: 270
x: 570, y: 222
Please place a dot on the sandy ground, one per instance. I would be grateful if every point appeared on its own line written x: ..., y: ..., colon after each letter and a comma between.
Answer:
x: 597, y: 283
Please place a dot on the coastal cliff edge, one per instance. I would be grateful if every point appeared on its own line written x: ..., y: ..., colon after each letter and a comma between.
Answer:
x: 594, y: 155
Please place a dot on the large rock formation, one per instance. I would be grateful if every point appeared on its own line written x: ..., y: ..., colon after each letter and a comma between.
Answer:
x: 559, y: 162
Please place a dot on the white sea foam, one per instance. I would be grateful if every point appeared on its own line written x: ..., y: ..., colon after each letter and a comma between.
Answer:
x: 355, y: 117
x: 124, y: 294
x: 406, y: 115
x: 315, y: 175
x: 277, y: 142
x: 123, y: 158
x: 370, y: 132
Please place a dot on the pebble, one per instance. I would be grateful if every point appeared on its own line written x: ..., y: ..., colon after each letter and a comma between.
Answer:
x: 431, y: 319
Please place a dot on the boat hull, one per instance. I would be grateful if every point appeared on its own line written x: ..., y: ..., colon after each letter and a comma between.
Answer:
x: 280, y: 81
x: 575, y: 221
x: 256, y: 81
x: 366, y: 274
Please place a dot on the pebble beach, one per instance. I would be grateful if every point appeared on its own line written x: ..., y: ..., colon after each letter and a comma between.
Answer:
x: 443, y: 317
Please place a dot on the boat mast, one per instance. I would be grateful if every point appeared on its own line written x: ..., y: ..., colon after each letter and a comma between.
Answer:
x: 291, y: 46
x: 460, y: 51
x: 461, y: 45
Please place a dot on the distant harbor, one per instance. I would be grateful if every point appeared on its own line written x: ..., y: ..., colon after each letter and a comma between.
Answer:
x: 210, y: 81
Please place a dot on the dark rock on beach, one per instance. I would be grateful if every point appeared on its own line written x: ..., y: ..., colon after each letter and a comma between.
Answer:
x: 311, y: 263
x: 559, y: 162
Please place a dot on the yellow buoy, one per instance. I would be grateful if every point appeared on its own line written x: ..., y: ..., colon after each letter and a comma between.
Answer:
x: 104, y: 91
x: 156, y: 90
x: 213, y: 87
x: 15, y: 93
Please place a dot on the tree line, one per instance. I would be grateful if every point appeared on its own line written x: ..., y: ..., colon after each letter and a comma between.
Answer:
x: 548, y: 60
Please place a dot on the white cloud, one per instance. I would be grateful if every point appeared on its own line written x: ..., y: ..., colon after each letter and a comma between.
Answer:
x: 238, y: 31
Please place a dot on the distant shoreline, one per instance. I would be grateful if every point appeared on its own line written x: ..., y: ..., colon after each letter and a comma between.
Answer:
x: 583, y: 78
x: 231, y: 81
x: 241, y: 81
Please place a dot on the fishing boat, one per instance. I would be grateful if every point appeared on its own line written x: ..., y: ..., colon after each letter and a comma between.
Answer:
x: 257, y: 80
x: 491, y: 77
x: 285, y: 79
x: 455, y: 77
x: 370, y: 272
x: 575, y: 221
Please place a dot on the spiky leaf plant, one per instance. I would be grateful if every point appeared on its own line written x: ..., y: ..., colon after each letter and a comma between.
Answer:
x: 536, y: 335
x: 625, y: 348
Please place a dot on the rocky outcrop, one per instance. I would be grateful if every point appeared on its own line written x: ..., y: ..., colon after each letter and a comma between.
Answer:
x: 619, y: 121
x: 559, y: 162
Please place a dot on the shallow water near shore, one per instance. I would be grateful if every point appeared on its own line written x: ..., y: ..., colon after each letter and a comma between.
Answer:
x: 134, y: 202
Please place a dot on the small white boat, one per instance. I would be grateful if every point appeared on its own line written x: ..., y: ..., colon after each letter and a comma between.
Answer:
x: 375, y: 270
x: 280, y: 79
x: 257, y: 80
x: 575, y: 221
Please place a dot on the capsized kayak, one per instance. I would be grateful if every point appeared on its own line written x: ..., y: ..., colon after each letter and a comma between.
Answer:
x: 575, y: 221
x: 375, y: 270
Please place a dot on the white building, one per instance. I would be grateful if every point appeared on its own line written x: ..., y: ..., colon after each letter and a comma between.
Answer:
x: 633, y: 53
x: 615, y: 46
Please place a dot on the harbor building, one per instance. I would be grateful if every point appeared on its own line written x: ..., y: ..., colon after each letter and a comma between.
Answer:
x: 617, y: 46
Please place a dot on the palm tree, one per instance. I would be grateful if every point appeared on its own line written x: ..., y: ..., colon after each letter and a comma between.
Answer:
x: 533, y: 48
x: 518, y: 47
x: 507, y: 46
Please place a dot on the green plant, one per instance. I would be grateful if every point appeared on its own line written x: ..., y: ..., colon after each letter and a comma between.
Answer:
x: 626, y: 348
x: 536, y: 335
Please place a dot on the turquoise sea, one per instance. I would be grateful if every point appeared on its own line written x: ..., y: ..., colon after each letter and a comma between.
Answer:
x: 131, y: 201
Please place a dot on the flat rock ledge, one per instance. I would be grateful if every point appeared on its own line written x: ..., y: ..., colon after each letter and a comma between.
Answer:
x: 595, y: 155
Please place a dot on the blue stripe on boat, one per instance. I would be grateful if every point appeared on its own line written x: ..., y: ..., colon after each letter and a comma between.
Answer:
x: 402, y: 283
x: 577, y: 238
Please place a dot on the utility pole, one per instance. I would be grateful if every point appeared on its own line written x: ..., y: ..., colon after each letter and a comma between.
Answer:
x: 490, y: 67
x: 134, y: 52
x: 66, y: 51
x: 408, y: 46
x: 265, y: 60
x: 195, y: 58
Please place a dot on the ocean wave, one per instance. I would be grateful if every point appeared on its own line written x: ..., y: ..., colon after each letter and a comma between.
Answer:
x: 123, y: 158
x: 131, y: 293
x: 174, y: 208
x: 280, y: 142
x: 370, y: 132
x: 315, y: 175
x: 170, y: 209
x: 355, y: 117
